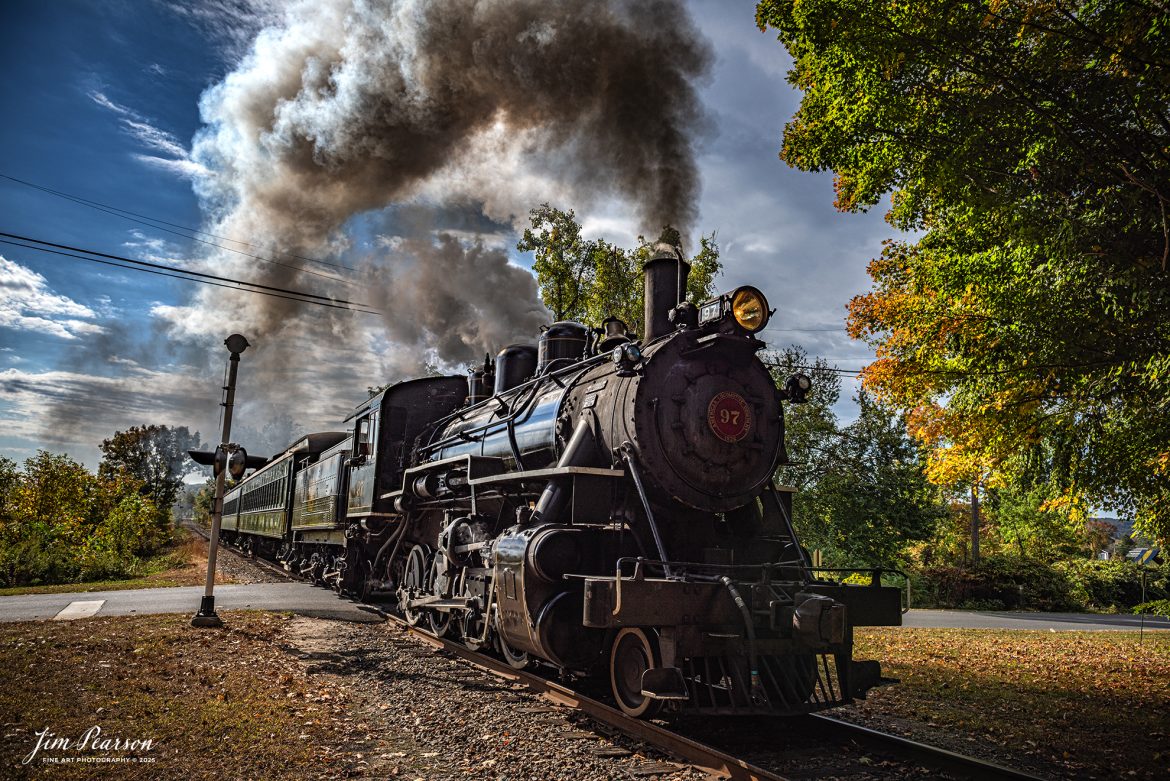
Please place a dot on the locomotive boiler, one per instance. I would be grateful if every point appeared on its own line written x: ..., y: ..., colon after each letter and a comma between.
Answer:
x: 599, y: 504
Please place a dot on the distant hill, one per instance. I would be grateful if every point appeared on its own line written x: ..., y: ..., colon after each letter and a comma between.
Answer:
x: 1122, y: 527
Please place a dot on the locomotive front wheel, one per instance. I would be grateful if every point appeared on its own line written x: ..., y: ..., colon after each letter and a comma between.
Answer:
x: 517, y: 660
x: 634, y: 652
x: 413, y: 581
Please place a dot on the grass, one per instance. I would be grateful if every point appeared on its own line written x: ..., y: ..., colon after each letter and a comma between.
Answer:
x: 1079, y: 703
x: 226, y: 703
x: 181, y: 563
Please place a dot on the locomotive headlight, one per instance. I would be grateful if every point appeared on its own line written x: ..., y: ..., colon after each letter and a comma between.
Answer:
x: 749, y: 308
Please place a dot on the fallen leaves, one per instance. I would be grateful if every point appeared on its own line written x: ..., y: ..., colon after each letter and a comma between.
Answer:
x: 1077, y: 700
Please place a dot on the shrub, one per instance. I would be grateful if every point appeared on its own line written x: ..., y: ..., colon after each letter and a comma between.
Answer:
x: 1106, y: 585
x: 61, y: 524
x: 1019, y: 583
x: 35, y: 559
x: 999, y: 582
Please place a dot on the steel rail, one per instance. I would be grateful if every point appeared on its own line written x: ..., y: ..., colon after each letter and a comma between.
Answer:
x: 689, y: 751
x: 933, y: 756
x: 713, y: 759
x: 259, y: 561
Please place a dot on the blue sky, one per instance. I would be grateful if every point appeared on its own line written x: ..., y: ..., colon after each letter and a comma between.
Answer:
x: 102, y: 100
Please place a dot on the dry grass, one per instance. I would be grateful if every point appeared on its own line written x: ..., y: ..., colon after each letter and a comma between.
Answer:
x: 1078, y: 704
x: 226, y: 703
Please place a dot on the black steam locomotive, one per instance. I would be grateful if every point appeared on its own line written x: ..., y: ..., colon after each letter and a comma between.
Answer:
x: 592, y: 502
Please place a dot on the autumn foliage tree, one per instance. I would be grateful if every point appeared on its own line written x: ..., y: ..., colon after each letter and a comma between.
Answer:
x: 1026, y: 146
x: 154, y: 455
x: 61, y: 523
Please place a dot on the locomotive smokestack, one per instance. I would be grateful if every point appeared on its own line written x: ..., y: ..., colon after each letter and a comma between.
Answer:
x: 666, y: 283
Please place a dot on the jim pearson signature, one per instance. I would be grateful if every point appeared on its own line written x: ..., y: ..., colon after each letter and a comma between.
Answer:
x: 92, y: 741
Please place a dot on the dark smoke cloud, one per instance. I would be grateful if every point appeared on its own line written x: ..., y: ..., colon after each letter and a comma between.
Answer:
x: 346, y: 106
x: 441, y: 297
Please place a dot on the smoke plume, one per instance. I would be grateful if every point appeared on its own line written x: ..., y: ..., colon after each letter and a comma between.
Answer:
x: 345, y: 106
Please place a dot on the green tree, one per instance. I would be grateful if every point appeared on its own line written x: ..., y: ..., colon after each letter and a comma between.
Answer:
x: 590, y: 280
x: 48, y: 509
x: 862, y: 496
x: 1024, y: 142
x: 9, y: 482
x: 810, y: 429
x: 154, y: 455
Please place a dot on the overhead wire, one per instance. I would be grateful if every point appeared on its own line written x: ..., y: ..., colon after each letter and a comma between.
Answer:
x: 131, y: 264
x: 142, y: 219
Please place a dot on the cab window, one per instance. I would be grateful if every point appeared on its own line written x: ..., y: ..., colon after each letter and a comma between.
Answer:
x: 365, y: 435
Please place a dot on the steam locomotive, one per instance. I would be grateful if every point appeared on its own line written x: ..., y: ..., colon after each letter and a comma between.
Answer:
x: 596, y: 504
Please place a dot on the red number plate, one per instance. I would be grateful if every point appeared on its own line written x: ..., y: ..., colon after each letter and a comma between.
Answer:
x: 729, y: 416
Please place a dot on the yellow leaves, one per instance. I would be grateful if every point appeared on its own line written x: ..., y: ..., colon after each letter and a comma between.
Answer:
x: 1161, y: 463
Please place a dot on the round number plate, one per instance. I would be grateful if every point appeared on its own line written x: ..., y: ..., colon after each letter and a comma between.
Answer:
x: 729, y: 416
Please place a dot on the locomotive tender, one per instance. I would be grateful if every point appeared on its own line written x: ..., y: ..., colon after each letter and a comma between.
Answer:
x: 592, y: 503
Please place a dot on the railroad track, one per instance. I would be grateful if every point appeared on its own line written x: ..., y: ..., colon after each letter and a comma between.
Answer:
x: 259, y: 562
x: 849, y: 738
x: 910, y: 754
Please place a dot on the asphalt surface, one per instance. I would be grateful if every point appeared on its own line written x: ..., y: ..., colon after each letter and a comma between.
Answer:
x: 309, y: 600
x: 298, y: 598
x: 1095, y: 622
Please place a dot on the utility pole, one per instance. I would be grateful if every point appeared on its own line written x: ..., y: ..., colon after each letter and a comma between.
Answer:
x: 206, y: 616
x: 975, y: 523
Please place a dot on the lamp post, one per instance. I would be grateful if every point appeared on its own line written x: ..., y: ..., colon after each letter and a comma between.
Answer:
x: 206, y: 616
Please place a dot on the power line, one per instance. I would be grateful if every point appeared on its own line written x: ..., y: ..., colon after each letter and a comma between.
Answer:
x: 141, y: 219
x: 175, y: 276
x: 191, y: 276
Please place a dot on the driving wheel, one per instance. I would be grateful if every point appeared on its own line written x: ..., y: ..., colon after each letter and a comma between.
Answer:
x: 413, y: 583
x: 634, y: 652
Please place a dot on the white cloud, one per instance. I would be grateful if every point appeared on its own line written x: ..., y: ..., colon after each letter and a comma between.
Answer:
x: 155, y: 250
x: 186, y: 169
x: 73, y: 411
x: 143, y: 130
x: 153, y: 137
x: 28, y: 304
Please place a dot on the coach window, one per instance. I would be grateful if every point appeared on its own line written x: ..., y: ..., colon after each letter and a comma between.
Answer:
x: 365, y: 435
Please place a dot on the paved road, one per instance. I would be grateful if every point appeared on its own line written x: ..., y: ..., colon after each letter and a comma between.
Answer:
x: 1009, y: 620
x: 309, y: 600
x: 296, y: 597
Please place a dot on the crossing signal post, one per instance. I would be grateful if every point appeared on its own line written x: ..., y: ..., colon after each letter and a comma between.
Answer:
x: 231, y: 459
x: 1150, y: 558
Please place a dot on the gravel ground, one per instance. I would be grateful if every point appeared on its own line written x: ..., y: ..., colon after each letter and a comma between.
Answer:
x: 235, y: 567
x: 231, y: 566
x: 421, y: 713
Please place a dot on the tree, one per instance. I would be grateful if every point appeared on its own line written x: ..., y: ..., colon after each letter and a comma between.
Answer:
x: 590, y: 280
x: 1025, y: 143
x: 862, y: 495
x: 154, y: 455
x: 810, y: 429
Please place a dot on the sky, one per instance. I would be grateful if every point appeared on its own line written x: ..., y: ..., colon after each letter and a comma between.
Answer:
x: 162, y: 115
